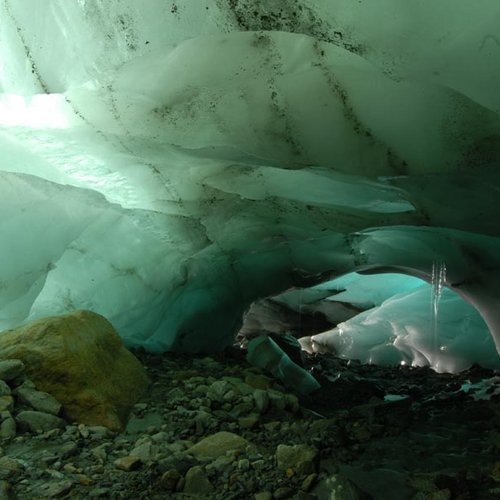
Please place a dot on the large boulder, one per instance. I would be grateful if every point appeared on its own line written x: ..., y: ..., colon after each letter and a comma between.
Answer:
x: 81, y: 361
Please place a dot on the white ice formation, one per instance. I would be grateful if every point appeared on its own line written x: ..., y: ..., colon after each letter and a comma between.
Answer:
x: 167, y: 163
x: 404, y: 322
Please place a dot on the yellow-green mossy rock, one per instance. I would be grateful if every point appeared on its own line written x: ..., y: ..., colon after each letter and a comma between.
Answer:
x: 81, y: 361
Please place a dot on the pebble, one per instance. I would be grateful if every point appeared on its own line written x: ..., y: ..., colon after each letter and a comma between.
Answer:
x: 218, y: 444
x: 218, y: 435
x: 5, y: 390
x: 283, y: 492
x: 261, y: 399
x: 38, y: 400
x: 145, y: 452
x: 37, y: 421
x: 309, y: 481
x: 197, y: 482
x: 170, y: 479
x: 300, y: 458
x: 9, y: 467
x: 6, y: 403
x: 99, y: 493
x: 5, y: 490
x: 55, y: 489
x: 263, y: 495
x: 8, y: 428
x: 128, y: 463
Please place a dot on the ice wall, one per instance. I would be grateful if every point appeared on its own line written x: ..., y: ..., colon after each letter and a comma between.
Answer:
x: 165, y: 164
x: 406, y: 321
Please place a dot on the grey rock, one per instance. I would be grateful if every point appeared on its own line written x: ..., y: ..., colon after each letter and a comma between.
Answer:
x: 83, y: 430
x: 338, y: 487
x: 160, y: 437
x: 39, y: 400
x: 309, y: 481
x: 101, y: 452
x: 146, y: 452
x: 99, y: 493
x: 221, y: 465
x: 11, y: 369
x: 263, y: 495
x: 37, y: 421
x: 300, y: 457
x: 242, y: 387
x: 5, y: 490
x: 6, y: 403
x: 258, y: 464
x: 128, y: 463
x: 244, y: 464
x: 98, y: 432
x: 241, y: 409
x: 261, y: 399
x: 249, y: 421
x: 218, y: 389
x: 4, y: 389
x: 277, y: 400
x: 8, y: 428
x: 170, y: 479
x: 218, y: 444
x: 55, y: 489
x: 9, y: 467
x: 303, y: 495
x: 292, y: 402
x: 197, y: 482
x: 68, y: 449
x: 27, y: 384
x: 179, y: 461
x: 283, y: 492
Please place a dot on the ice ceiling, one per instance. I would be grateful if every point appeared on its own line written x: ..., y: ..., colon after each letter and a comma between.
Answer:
x: 167, y: 163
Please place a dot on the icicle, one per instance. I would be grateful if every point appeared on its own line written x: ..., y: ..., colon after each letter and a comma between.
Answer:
x: 438, y: 279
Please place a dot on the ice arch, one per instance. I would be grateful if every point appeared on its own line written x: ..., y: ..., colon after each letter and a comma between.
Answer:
x: 394, y: 319
x: 165, y: 166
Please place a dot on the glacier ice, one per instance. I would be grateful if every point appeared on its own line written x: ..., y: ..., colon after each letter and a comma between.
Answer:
x: 399, y: 325
x: 166, y: 165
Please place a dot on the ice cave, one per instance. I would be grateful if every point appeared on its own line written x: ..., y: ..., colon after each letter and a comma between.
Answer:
x: 202, y: 172
x: 166, y: 167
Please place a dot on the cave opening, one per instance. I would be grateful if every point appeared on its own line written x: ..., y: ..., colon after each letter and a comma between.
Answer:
x: 388, y: 319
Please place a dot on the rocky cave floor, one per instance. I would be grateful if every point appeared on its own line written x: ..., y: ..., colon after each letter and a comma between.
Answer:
x: 369, y: 432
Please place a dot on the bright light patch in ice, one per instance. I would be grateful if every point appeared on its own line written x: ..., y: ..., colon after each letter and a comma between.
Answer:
x: 38, y: 111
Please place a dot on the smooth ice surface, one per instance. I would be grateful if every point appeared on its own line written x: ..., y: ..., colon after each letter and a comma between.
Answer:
x: 402, y: 329
x: 167, y: 164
